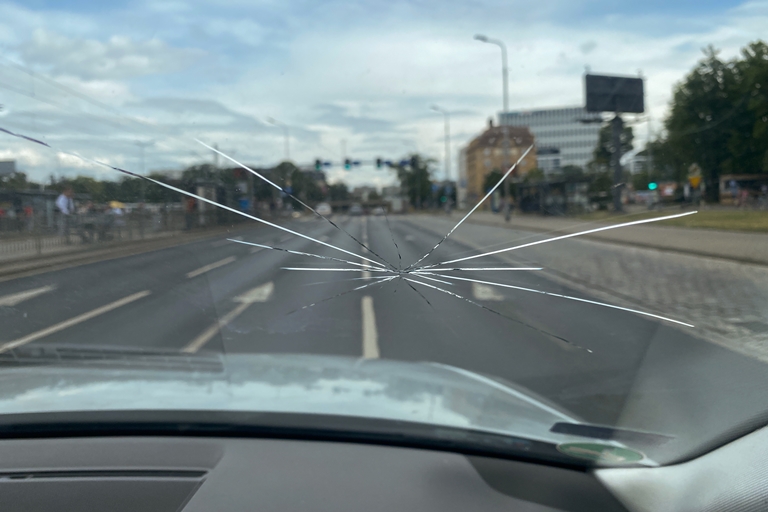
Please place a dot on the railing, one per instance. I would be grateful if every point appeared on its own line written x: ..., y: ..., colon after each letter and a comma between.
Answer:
x: 40, y: 234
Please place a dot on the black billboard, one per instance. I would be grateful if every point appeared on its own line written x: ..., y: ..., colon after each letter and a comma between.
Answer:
x: 614, y: 94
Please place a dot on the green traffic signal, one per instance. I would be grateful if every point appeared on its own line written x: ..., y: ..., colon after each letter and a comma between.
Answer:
x: 347, y: 164
x: 653, y: 185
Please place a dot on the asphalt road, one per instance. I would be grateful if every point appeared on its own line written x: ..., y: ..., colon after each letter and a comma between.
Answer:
x: 216, y: 295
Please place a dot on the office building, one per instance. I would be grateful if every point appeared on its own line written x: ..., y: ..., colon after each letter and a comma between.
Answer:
x: 562, y: 135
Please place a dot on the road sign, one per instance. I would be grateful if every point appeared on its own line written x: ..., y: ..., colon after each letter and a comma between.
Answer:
x: 614, y: 94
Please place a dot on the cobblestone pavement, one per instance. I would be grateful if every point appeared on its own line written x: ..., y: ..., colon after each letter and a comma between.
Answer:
x: 726, y: 301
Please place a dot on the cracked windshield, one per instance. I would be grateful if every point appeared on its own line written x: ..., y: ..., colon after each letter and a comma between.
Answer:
x: 543, y: 221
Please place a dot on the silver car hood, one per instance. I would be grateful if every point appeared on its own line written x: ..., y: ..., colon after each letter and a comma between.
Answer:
x: 281, y: 383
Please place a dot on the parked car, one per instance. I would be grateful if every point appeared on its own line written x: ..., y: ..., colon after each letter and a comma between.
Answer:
x: 324, y: 209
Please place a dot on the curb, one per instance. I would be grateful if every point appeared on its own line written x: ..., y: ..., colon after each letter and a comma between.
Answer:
x: 642, y: 245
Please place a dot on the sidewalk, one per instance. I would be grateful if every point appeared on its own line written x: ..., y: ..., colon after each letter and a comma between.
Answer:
x: 731, y: 245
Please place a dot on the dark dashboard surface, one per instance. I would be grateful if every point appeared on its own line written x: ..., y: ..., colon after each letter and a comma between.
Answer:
x: 159, y: 474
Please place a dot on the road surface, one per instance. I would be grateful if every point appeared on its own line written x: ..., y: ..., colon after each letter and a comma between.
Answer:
x: 616, y: 367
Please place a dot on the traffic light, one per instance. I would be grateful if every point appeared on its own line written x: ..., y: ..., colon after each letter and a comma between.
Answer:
x: 379, y: 163
x: 347, y: 163
x: 414, y: 162
x: 653, y: 185
x: 318, y: 165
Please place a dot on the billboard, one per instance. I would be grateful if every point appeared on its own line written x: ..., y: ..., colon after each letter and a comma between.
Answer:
x: 7, y: 167
x: 614, y: 94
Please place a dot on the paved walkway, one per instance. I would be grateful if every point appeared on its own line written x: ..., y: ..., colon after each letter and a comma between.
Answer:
x: 732, y: 245
x: 726, y: 300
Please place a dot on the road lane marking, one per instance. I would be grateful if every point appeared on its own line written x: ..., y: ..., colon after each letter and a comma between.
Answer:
x: 16, y: 298
x: 73, y: 321
x: 370, y: 336
x: 207, y: 268
x: 483, y: 292
x: 261, y: 293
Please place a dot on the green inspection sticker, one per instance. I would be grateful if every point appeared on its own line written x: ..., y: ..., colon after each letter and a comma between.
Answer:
x: 600, y: 453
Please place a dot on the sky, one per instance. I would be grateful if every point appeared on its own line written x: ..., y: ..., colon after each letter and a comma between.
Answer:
x: 134, y: 83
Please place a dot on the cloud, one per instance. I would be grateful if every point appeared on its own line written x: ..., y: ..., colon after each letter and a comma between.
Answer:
x: 117, y: 58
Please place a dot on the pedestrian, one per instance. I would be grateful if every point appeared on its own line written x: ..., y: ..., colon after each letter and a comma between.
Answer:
x: 66, y: 206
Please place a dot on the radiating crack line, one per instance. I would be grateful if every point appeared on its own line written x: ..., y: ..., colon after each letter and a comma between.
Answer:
x: 331, y: 269
x: 561, y: 296
x: 299, y: 253
x: 478, y: 268
x: 562, y: 237
x: 542, y: 331
x: 473, y: 209
x: 391, y: 234
x: 302, y: 203
x: 342, y: 293
x: 190, y: 194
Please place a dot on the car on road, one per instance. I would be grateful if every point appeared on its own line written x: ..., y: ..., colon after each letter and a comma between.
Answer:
x: 324, y: 209
x: 356, y: 209
x: 378, y: 211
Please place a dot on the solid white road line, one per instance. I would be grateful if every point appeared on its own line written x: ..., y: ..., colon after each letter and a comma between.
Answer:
x: 73, y: 321
x: 16, y: 298
x: 261, y: 293
x: 370, y: 336
x: 207, y: 268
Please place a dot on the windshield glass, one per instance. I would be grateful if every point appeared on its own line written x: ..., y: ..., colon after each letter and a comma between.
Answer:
x: 542, y: 220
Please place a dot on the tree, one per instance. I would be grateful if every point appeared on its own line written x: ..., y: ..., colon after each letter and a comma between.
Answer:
x: 601, y: 157
x: 572, y: 173
x: 719, y: 117
x: 415, y: 180
x: 534, y: 176
x: 15, y: 181
x: 338, y: 192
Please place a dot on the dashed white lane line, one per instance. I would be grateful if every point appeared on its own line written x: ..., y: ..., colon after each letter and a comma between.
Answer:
x: 261, y: 293
x: 207, y: 268
x: 16, y: 298
x: 370, y: 335
x: 484, y: 292
x: 73, y: 321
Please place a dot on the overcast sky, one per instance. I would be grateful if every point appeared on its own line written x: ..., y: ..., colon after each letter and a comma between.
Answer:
x: 107, y: 77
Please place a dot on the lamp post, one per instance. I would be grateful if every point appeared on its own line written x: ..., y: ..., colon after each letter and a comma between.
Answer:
x: 504, y: 128
x: 447, y: 119
x: 275, y: 122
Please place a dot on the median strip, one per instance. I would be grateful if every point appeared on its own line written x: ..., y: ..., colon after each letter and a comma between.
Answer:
x: 208, y: 268
x: 72, y: 321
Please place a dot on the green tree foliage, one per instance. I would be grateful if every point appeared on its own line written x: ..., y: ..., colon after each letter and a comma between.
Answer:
x: 572, y: 173
x: 416, y: 181
x: 604, y: 149
x: 16, y: 181
x: 534, y: 176
x: 719, y: 117
x: 338, y: 192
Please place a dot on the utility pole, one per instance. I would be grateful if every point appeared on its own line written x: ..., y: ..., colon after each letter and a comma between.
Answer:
x: 617, y: 126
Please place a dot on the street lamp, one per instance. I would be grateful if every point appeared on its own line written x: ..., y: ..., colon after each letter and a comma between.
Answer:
x: 504, y: 128
x: 275, y: 122
x: 447, y: 119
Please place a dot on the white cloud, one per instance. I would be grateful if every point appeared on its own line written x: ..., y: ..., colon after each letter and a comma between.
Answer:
x: 90, y: 59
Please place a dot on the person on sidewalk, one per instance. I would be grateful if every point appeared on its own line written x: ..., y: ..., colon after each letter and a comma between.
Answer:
x: 66, y: 206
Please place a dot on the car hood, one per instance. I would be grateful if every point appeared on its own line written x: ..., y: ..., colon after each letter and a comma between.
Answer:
x: 73, y: 380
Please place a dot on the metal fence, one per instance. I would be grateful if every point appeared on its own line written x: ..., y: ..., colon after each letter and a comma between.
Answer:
x: 25, y: 236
